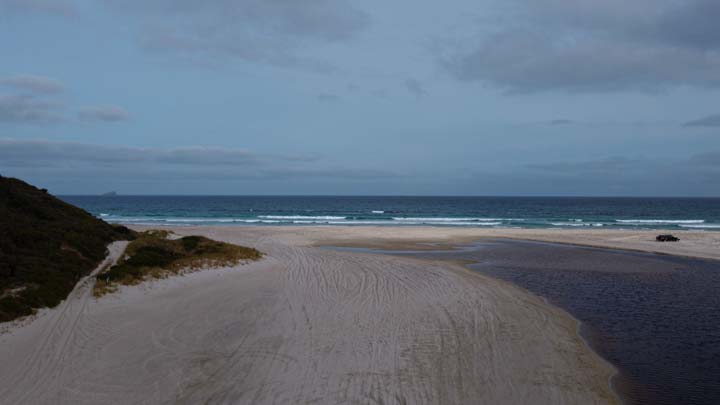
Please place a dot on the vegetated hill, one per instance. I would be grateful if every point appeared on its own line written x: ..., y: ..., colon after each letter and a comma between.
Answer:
x: 46, y: 246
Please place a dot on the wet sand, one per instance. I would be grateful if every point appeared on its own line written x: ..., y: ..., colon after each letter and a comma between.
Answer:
x: 310, y: 325
x: 697, y: 244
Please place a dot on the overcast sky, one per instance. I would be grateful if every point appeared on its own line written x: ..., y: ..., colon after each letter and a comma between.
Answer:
x: 476, y: 97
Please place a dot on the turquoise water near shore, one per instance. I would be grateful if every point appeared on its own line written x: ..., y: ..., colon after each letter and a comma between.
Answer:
x: 485, y: 212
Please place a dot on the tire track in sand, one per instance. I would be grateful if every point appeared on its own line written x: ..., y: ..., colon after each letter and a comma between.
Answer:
x: 310, y: 325
x: 47, y: 361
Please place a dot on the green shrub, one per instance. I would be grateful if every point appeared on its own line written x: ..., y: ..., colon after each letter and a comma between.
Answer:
x: 190, y: 242
x: 152, y: 254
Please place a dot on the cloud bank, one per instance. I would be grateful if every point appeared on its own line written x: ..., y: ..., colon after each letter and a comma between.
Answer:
x: 415, y: 87
x: 27, y: 109
x: 709, y: 121
x: 593, y: 46
x: 103, y: 113
x: 43, y: 7
x: 34, y: 84
x: 259, y: 31
x: 32, y: 99
x: 89, y: 160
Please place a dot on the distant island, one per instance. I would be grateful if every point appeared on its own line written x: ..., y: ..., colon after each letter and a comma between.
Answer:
x: 109, y: 194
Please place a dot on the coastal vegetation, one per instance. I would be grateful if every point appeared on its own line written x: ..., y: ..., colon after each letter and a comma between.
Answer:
x: 46, y: 246
x: 157, y: 254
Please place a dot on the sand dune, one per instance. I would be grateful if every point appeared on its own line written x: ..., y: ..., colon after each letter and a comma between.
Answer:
x: 305, y: 325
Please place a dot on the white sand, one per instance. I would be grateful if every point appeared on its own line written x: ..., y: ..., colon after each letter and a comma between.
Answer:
x: 308, y: 325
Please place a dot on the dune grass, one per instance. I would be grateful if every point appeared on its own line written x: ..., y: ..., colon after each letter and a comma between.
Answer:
x: 154, y: 254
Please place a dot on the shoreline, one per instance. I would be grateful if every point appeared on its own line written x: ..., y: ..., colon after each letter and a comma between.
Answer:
x: 692, y: 244
x: 544, y: 269
x: 464, y: 266
x: 421, y: 330
x: 616, y: 373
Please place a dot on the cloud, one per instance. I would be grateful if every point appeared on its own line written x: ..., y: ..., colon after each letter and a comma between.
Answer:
x: 332, y: 173
x: 79, y: 160
x: 26, y: 109
x: 605, y: 166
x: 103, y: 113
x: 691, y: 23
x: 621, y: 165
x: 34, y: 84
x: 592, y: 46
x: 621, y: 175
x: 560, y: 122
x: 38, y: 7
x: 709, y: 121
x: 207, y: 156
x: 380, y: 93
x: 708, y: 159
x: 274, y: 32
x: 30, y: 152
x: 415, y: 87
x: 33, y: 100
x: 328, y: 97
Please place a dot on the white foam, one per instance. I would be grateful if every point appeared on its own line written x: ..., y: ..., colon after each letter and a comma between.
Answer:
x: 379, y: 222
x: 131, y: 219
x: 378, y: 212
x: 576, y: 224
x: 432, y: 219
x: 202, y: 220
x: 190, y: 220
x: 474, y: 223
x: 660, y: 221
x: 402, y: 223
x: 300, y: 217
x: 308, y: 220
x: 704, y: 226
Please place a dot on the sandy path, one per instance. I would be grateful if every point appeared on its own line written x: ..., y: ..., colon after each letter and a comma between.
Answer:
x: 52, y: 340
x: 306, y: 325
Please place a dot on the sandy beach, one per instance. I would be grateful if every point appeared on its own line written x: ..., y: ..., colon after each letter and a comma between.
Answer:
x: 312, y: 325
x: 324, y: 202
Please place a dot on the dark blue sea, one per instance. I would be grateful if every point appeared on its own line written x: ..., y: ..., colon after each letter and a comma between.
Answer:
x: 521, y: 212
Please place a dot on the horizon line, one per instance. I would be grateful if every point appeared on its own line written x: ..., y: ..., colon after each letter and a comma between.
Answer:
x: 387, y: 196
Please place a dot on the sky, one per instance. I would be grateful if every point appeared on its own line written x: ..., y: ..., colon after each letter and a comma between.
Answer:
x: 333, y: 97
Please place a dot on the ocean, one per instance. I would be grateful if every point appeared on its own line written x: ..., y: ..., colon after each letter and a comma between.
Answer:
x: 518, y: 212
